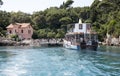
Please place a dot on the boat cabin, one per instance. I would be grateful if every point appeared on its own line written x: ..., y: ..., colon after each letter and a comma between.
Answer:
x: 81, y: 31
x: 80, y: 27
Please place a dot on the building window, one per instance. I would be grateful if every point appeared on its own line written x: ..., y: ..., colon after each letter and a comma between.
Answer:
x: 21, y: 31
x: 15, y: 31
x: 10, y: 31
x: 29, y: 31
x: 80, y: 26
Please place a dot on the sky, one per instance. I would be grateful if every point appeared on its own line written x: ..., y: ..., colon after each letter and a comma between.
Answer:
x: 30, y: 6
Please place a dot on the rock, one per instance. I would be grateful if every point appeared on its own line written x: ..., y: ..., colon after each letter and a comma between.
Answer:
x: 115, y: 41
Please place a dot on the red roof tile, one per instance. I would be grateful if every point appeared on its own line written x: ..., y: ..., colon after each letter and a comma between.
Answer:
x: 21, y: 25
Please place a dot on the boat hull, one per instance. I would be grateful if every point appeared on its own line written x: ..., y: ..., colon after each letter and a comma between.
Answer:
x: 72, y: 47
x: 78, y: 47
x: 82, y: 46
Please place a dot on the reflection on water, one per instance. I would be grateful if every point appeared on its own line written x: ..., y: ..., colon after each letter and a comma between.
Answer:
x: 35, y: 61
x: 6, y: 54
x: 110, y: 50
x: 15, y: 66
x: 4, y: 57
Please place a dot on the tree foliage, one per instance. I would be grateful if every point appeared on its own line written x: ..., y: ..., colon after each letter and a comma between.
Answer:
x: 4, y: 19
x: 67, y: 4
x: 20, y: 17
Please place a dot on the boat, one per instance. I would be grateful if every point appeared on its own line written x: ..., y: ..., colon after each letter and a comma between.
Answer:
x: 80, y: 36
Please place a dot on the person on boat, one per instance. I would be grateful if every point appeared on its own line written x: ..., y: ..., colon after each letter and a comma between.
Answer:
x: 81, y: 39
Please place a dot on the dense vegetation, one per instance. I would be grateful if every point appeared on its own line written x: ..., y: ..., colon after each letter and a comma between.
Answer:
x: 52, y: 22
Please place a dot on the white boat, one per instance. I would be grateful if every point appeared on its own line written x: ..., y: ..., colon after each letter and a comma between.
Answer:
x: 68, y: 45
x: 80, y: 36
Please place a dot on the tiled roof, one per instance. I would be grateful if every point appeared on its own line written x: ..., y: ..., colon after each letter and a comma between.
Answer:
x: 10, y: 26
x: 21, y: 25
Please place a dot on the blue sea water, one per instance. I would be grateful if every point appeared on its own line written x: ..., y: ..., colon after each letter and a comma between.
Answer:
x: 58, y: 61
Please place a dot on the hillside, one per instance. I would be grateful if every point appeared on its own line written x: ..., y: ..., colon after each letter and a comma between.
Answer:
x: 52, y: 22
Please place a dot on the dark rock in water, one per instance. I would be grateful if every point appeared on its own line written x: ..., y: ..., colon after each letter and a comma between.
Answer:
x: 12, y: 43
x: 7, y: 43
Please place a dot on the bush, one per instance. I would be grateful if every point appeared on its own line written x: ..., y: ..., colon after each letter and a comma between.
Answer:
x: 15, y: 37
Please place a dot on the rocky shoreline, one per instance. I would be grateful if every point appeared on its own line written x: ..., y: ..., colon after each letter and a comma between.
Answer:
x: 111, y: 40
x: 51, y: 42
x: 12, y: 43
x: 31, y: 42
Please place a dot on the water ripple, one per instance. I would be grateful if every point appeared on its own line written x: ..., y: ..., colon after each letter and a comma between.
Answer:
x: 58, y: 62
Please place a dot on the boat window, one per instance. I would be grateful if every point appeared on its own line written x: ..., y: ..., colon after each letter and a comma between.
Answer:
x: 80, y: 26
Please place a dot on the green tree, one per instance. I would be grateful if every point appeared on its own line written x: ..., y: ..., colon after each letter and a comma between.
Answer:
x: 38, y: 18
x: 20, y: 17
x: 85, y: 13
x: 52, y: 18
x: 4, y: 19
x: 64, y: 21
x: 117, y: 30
x: 60, y: 33
x: 51, y: 34
x: 42, y: 33
x: 73, y: 14
x: 111, y: 26
x: 67, y: 4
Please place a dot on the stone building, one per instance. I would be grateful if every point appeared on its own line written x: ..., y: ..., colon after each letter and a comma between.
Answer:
x: 23, y: 30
